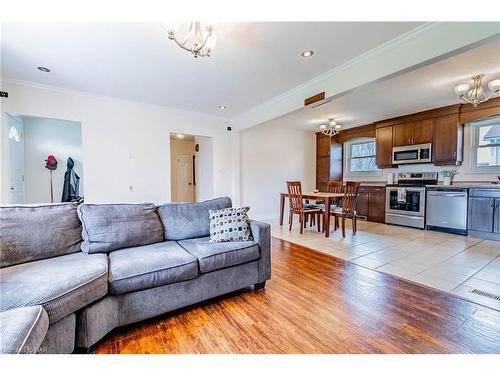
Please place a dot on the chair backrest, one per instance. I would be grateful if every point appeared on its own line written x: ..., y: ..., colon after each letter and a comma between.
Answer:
x: 335, y: 187
x: 350, y: 197
x: 295, y: 195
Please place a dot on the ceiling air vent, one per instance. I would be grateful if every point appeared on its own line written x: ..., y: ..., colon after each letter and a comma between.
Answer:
x: 317, y: 100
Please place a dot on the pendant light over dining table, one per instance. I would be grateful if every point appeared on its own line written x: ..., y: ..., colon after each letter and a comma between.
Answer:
x: 330, y: 129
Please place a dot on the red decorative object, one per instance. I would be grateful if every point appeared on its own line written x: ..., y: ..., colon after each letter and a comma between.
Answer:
x: 51, y: 165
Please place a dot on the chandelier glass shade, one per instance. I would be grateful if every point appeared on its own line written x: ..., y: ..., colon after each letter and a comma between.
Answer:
x: 196, y: 37
x: 475, y: 94
x: 330, y: 129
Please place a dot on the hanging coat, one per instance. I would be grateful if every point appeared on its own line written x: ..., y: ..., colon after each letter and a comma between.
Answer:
x: 71, y: 188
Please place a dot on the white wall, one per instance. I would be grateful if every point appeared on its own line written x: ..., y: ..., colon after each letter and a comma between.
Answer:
x: 204, y: 167
x: 466, y: 173
x: 179, y: 147
x: 270, y: 156
x: 126, y: 145
x: 42, y: 137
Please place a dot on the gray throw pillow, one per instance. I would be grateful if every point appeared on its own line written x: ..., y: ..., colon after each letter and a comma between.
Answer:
x: 229, y: 224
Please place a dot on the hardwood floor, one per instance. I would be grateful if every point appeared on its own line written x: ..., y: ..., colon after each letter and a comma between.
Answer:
x: 316, y: 303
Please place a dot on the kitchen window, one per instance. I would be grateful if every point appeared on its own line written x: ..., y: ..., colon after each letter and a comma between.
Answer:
x: 486, y: 143
x: 360, y: 157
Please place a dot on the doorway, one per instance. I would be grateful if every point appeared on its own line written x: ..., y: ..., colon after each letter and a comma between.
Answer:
x: 191, y: 168
x: 16, y: 159
x: 31, y: 141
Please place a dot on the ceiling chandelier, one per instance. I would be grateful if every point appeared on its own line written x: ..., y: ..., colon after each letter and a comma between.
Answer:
x: 330, y: 129
x: 476, y: 94
x: 195, y: 37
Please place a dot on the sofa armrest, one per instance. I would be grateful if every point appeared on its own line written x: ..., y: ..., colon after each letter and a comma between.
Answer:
x: 261, y: 233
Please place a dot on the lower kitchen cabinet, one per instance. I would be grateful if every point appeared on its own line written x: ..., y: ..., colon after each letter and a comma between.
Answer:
x: 484, y: 213
x: 496, y: 217
x: 371, y: 203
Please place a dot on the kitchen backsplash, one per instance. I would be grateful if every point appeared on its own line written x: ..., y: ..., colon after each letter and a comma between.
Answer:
x: 465, y: 172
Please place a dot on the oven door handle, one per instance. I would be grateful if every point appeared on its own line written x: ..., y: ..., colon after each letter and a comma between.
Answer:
x: 406, y: 216
x: 422, y: 190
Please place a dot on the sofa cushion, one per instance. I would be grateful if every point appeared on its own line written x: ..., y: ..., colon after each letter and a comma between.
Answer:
x: 149, y: 266
x: 108, y: 227
x: 214, y: 256
x: 61, y: 285
x: 22, y: 330
x: 189, y: 220
x: 33, y: 232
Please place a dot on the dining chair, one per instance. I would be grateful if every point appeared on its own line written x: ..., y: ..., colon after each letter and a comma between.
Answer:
x: 335, y: 186
x: 297, y: 206
x: 348, y: 208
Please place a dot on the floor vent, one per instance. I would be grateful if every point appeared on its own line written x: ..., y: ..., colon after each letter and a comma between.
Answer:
x: 485, y: 294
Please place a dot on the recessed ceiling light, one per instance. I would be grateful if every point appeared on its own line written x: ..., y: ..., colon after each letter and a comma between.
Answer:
x: 180, y: 136
x: 222, y: 107
x: 307, y: 53
x: 43, y: 69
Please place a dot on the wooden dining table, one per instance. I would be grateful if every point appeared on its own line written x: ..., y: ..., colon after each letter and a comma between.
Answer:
x: 327, y: 198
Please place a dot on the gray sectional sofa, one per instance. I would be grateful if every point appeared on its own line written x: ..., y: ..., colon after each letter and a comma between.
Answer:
x: 70, y: 274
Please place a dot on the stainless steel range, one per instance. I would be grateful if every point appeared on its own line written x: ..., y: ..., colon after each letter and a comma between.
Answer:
x: 405, y: 201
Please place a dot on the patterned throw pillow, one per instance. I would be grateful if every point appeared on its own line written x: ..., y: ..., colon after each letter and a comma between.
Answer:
x: 229, y: 224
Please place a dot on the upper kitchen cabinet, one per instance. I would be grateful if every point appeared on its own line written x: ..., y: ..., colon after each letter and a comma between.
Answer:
x: 413, y: 133
x: 383, y: 141
x: 402, y: 134
x: 448, y: 140
x: 423, y: 131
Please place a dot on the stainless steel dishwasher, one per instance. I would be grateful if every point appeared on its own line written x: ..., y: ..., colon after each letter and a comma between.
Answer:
x: 446, y: 210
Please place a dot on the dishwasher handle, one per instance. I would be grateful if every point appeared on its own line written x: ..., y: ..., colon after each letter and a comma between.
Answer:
x: 454, y: 195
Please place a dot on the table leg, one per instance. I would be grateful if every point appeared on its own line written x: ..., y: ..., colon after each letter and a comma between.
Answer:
x: 326, y: 221
x: 282, y: 208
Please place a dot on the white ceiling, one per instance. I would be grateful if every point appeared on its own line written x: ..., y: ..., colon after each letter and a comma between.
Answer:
x: 252, y: 62
x: 424, y: 88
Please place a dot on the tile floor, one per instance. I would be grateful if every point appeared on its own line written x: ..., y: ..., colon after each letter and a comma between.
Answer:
x: 452, y: 263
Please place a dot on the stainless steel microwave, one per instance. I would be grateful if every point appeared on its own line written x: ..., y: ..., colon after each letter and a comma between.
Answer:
x: 412, y: 154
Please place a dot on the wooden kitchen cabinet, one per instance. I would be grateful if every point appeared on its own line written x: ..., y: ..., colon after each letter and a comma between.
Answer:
x: 447, y: 147
x: 413, y: 133
x: 423, y: 131
x: 383, y: 141
x: 322, y: 145
x: 328, y: 161
x: 402, y: 134
x: 371, y: 203
x: 362, y: 204
x: 376, y: 204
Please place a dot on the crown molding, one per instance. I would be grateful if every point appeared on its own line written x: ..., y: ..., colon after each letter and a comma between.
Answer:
x: 452, y: 41
x: 63, y: 90
x: 339, y: 69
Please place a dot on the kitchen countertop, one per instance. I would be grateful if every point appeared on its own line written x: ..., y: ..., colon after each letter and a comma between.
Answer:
x: 374, y: 183
x: 456, y: 185
x: 468, y: 185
